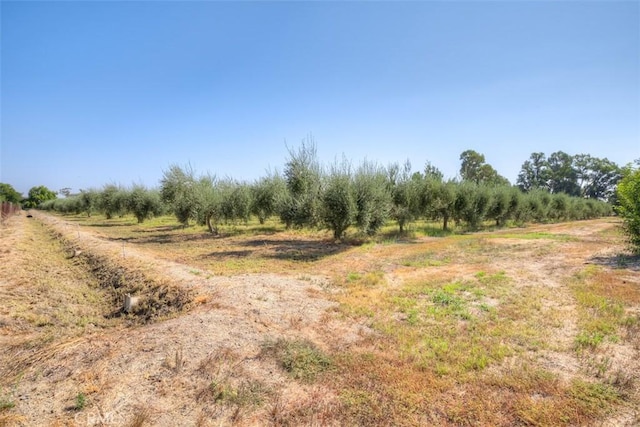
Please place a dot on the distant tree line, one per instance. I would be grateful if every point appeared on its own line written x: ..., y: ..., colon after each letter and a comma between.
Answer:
x: 112, y: 201
x: 581, y: 175
x: 365, y: 197
x: 36, y: 196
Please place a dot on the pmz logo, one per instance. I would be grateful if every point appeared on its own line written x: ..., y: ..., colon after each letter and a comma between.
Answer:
x: 99, y: 418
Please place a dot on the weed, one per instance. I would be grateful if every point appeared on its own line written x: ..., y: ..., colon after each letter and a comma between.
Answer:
x: 600, y: 316
x: 6, y: 404
x: 426, y: 259
x: 442, y: 297
x: 353, y: 277
x: 179, y: 360
x: 369, y: 279
x: 81, y: 402
x: 588, y: 340
x: 175, y: 363
x: 300, y: 358
x: 593, y: 398
x: 248, y: 393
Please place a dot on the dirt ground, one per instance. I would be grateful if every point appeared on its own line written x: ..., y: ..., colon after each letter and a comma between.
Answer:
x: 94, y: 368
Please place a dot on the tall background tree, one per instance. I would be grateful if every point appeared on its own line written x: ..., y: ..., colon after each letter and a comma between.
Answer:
x: 9, y: 194
x: 534, y: 173
x: 581, y: 175
x: 563, y: 177
x: 38, y: 195
x: 474, y: 169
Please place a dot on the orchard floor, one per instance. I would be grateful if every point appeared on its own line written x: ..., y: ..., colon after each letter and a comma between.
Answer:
x: 520, y: 326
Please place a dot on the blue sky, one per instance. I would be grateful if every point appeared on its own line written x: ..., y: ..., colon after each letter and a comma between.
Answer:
x: 116, y: 92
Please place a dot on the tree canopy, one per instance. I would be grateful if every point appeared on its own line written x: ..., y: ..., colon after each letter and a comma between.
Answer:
x: 629, y: 205
x: 581, y: 175
x: 475, y: 169
x: 38, y: 195
x: 9, y: 194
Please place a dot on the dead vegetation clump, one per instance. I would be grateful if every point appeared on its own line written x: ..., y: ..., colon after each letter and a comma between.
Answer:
x: 156, y: 298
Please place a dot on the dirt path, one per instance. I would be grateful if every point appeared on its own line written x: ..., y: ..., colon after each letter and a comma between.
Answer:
x: 159, y: 370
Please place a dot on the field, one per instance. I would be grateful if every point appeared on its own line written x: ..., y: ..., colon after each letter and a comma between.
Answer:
x: 534, y: 326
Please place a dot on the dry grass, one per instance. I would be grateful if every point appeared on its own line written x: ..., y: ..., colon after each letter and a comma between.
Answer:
x: 535, y: 326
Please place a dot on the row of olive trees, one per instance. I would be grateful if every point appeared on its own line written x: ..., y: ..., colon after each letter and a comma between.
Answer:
x: 337, y: 197
x: 365, y: 197
x: 112, y: 201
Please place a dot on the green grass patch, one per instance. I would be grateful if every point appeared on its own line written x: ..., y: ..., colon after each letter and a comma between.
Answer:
x: 80, y: 402
x: 6, y: 404
x: 426, y: 259
x: 533, y: 236
x: 600, y: 318
x: 368, y: 279
x: 299, y: 358
x: 442, y: 330
x: 593, y: 398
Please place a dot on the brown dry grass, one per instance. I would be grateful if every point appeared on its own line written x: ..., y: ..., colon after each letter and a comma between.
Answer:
x: 481, y: 329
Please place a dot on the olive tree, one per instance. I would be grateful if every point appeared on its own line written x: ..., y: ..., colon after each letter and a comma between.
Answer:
x: 372, y: 197
x: 443, y: 198
x: 628, y: 194
x: 144, y: 203
x: 405, y: 194
x: 235, y: 201
x: 266, y: 192
x: 339, y: 208
x: 112, y: 200
x: 300, y: 207
x: 88, y: 201
x: 178, y: 191
x: 499, y: 205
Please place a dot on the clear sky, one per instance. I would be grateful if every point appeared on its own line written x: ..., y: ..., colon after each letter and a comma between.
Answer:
x: 115, y: 92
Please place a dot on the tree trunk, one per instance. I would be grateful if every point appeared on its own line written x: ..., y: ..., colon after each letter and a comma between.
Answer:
x: 213, y: 230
